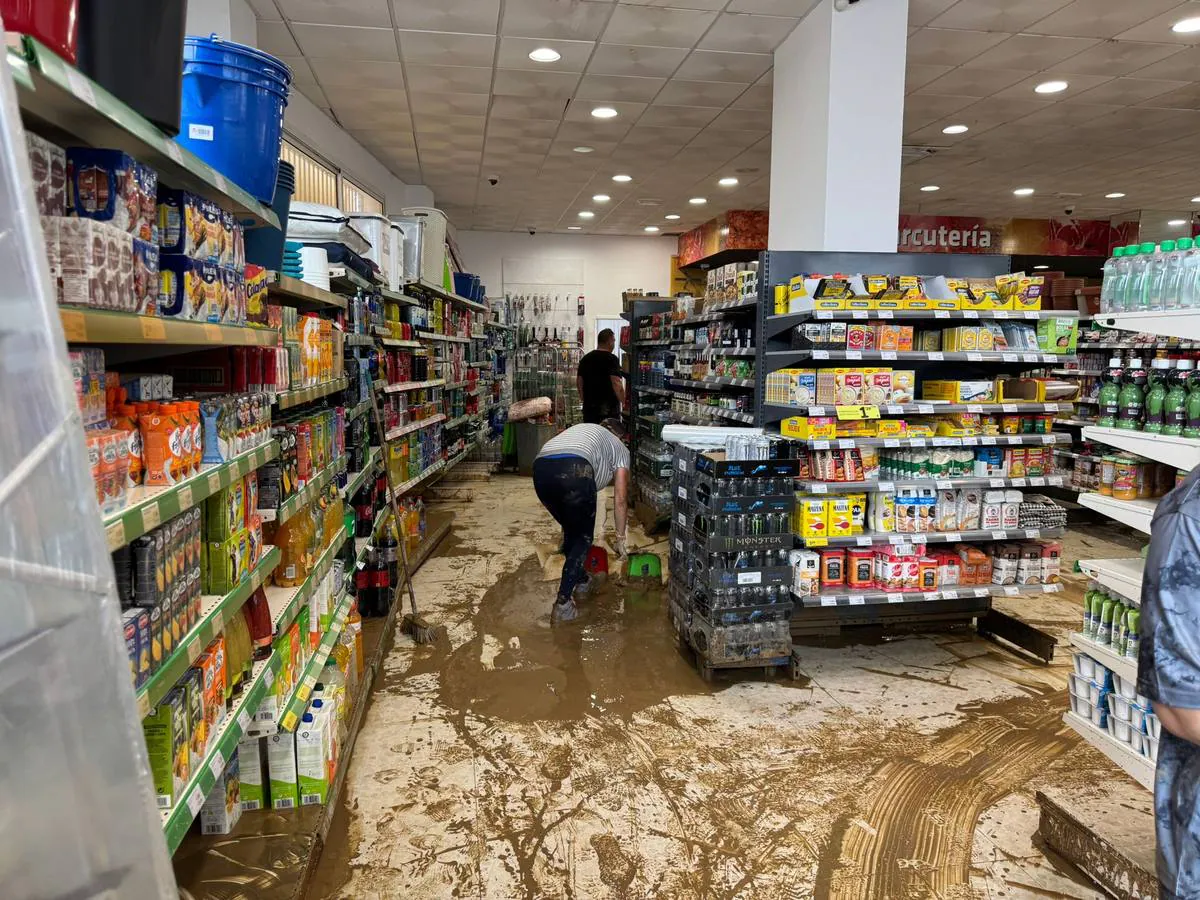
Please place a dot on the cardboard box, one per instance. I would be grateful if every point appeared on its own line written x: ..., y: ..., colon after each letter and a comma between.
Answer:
x: 167, y: 747
x: 281, y: 769
x: 1057, y: 335
x: 223, y: 806
x: 808, y: 428
x: 814, y: 517
x: 959, y: 391
x: 313, y: 756
x: 251, y: 786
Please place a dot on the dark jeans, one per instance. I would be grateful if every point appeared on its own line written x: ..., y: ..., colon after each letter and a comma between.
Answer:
x: 566, y: 486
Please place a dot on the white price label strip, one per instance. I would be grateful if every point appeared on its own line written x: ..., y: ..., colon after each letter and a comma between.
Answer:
x: 974, y: 408
x: 829, y: 601
x: 1032, y: 532
x: 820, y: 488
x: 214, y: 482
x: 925, y: 408
x: 269, y: 678
x: 81, y: 87
x: 857, y: 600
x: 853, y: 354
x: 1018, y: 482
x: 150, y: 516
x: 185, y: 497
x: 974, y: 357
x: 175, y: 152
x: 244, y: 721
x: 970, y: 314
x: 115, y: 534
x: 682, y: 492
x: 952, y: 536
x: 944, y: 485
x: 1002, y: 314
x: 940, y: 314
x: 886, y: 486
x: 1011, y: 591
x: 820, y: 445
x: 863, y: 541
x: 216, y: 765
x: 888, y: 354
x: 936, y: 356
x: 949, y: 595
x: 895, y: 598
x: 1009, y: 357
x: 749, y: 578
x: 195, y: 801
x: 820, y: 354
x: 996, y: 483
x: 999, y: 535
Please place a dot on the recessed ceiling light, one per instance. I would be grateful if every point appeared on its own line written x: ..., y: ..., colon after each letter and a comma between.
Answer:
x: 586, y: 214
x: 1115, y: 195
x: 698, y: 201
x: 545, y: 54
x: 574, y: 228
x: 601, y: 198
x: 1041, y: 267
x: 728, y: 182
x: 1175, y: 223
x: 1023, y: 192
x: 1196, y: 199
x: 622, y: 178
x: 1187, y: 26
x: 650, y: 228
x: 724, y: 231
x: 604, y: 112
x: 583, y: 149
x: 930, y: 188
x: 955, y: 129
x: 1050, y: 87
x: 673, y: 217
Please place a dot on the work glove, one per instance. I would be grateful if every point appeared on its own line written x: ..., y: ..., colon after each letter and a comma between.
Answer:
x: 621, y: 547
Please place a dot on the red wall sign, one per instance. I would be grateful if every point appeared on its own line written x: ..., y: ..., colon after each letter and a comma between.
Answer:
x: 1032, y: 237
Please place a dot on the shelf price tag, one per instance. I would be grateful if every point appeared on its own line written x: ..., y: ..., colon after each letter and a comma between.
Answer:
x: 820, y: 445
x: 1049, y: 439
x: 244, y: 721
x: 1037, y: 482
x: 175, y: 152
x: 858, y: 314
x: 974, y: 357
x: 999, y: 535
x: 996, y: 483
x: 974, y: 408
x: 857, y: 600
x: 846, y: 444
x: 936, y: 356
x: 216, y: 765
x: 679, y: 545
x: 887, y: 354
x: 682, y: 492
x: 952, y: 537
x: 1032, y: 532
x: 863, y: 540
x: 988, y: 441
x: 1051, y: 407
x: 891, y: 442
x: 857, y: 413
x: 214, y: 482
x: 820, y: 354
x: 1002, y: 314
x: 941, y: 314
x: 916, y: 442
x: 816, y: 542
x: 895, y: 598
x: 195, y: 801
x: 193, y: 650
x: 970, y: 314
x: 943, y: 484
x: 1018, y: 482
x: 829, y: 601
x: 1011, y: 591
x: 153, y: 328
x: 949, y: 595
x: 185, y: 497
x: 854, y: 354
x: 884, y: 314
x: 150, y: 516
x: 749, y: 578
x: 81, y: 87
x: 1009, y: 407
x: 1009, y: 357
x: 143, y: 705
x: 820, y: 488
x: 925, y: 408
x: 1031, y: 357
x: 115, y: 534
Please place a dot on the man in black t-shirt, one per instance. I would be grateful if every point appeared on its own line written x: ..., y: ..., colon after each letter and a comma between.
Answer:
x: 599, y: 381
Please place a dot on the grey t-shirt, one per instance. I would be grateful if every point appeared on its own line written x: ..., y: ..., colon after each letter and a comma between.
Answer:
x: 1169, y: 672
x: 594, y: 443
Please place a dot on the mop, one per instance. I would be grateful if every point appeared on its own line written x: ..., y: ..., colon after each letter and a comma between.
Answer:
x: 414, y: 623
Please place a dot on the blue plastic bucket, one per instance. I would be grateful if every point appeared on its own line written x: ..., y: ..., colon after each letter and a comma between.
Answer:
x: 232, y: 112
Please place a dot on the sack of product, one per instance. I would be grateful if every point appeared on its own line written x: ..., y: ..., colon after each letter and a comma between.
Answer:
x: 315, y: 223
x: 532, y: 408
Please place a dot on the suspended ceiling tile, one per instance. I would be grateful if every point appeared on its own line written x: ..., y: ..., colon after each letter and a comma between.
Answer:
x: 467, y: 16
x: 757, y: 96
x: 276, y: 39
x: 627, y: 114
x: 266, y: 10
x: 711, y: 5
x: 372, y: 13
x: 925, y: 109
x: 1031, y: 51
x: 974, y: 82
x: 514, y: 54
x: 945, y: 47
x: 588, y: 132
x: 644, y: 133
x: 996, y: 15
x: 717, y: 65
x: 1100, y: 18
x: 570, y: 19
x: 660, y: 27
x: 359, y: 73
x: 454, y: 79
x: 449, y: 104
x: 1076, y: 85
x: 446, y: 125
x: 754, y: 122
x: 314, y: 93
x: 558, y: 86
x: 601, y: 150
x: 543, y: 115
x: 623, y: 59
x: 1129, y: 91
x: 798, y: 8
x: 368, y: 116
x: 619, y: 87
x: 917, y: 76
x: 1181, y: 66
x: 748, y: 34
x: 678, y: 116
x: 436, y: 47
x: 1186, y: 97
x: 346, y: 42
x: 522, y: 144
x: 347, y: 97
x: 922, y: 12
x: 1158, y: 27
x: 302, y: 72
x: 723, y: 142
x: 720, y: 94
x: 1118, y: 58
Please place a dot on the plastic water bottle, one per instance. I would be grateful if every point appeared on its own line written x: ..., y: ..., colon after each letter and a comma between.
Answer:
x: 1135, y: 288
x: 1113, y: 283
x: 1173, y: 275
x: 1189, y: 273
x: 1156, y: 271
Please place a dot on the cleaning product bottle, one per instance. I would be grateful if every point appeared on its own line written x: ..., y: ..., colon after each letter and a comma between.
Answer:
x: 1173, y: 274
x: 1191, y: 428
x: 1109, y: 396
x: 1114, y: 274
x: 1135, y: 285
x: 1156, y: 396
x: 1189, y: 273
x: 1105, y: 631
x: 1089, y: 626
x: 1132, y: 400
x: 1133, y: 623
x: 1156, y: 275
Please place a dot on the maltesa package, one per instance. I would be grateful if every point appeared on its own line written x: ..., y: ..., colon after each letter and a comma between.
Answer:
x: 48, y: 164
x: 95, y: 262
x: 111, y: 186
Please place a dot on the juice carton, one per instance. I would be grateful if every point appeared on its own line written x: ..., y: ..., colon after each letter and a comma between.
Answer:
x: 281, y: 770
x: 225, y: 512
x: 211, y: 665
x: 167, y: 747
x: 313, y: 742
x: 223, y: 806
x: 197, y: 730
x: 251, y: 775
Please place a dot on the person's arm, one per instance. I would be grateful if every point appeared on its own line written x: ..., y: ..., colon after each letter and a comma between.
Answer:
x: 1180, y: 721
x: 621, y: 502
x: 618, y: 386
x: 579, y: 386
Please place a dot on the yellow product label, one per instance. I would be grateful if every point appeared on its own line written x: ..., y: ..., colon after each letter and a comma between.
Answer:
x: 829, y: 303
x: 876, y: 284
x: 814, y: 518
x: 954, y: 303
x: 796, y: 287
x: 839, y: 517
x: 917, y: 303
x: 857, y: 302
x: 985, y: 340
x: 889, y: 428
x: 857, y: 413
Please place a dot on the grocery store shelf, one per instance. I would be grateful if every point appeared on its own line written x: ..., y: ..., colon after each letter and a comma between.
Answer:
x: 221, y: 746
x: 1122, y: 576
x: 402, y: 386
x: 1124, y: 666
x: 460, y: 420
x: 873, y: 597
x: 1094, y: 373
x: 1004, y: 440
x: 1180, y: 323
x: 288, y: 399
x: 932, y: 537
x: 396, y: 343
x: 454, y: 461
x: 358, y: 340
x: 500, y: 326
x: 216, y: 611
x: 1075, y: 423
x: 423, y: 287
x: 353, y: 412
x: 924, y: 407
x: 148, y: 507
x: 306, y: 494
x: 1134, y: 513
x: 434, y: 336
x: 1136, y: 766
x: 778, y: 324
x: 358, y: 479
x: 76, y: 110
x: 727, y: 305
x: 402, y: 489
x: 776, y: 359
x: 712, y: 350
x: 885, y: 484
x: 457, y: 385
x: 1180, y: 452
x: 285, y: 602
x: 653, y: 342
x: 401, y: 430
x: 288, y: 291
x: 715, y: 384
x: 106, y: 326
x: 734, y: 415
x: 296, y: 702
x: 647, y: 389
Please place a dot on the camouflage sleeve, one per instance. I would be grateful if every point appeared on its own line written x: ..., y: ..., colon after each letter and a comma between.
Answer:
x: 1169, y: 655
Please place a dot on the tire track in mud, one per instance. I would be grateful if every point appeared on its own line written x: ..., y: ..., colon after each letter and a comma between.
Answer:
x: 912, y: 836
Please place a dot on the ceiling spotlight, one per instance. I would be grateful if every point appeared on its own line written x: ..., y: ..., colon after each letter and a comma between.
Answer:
x: 1196, y: 199
x: 583, y: 149
x: 650, y: 228
x: 1023, y: 192
x: 622, y: 178
x: 545, y: 54
x: 728, y: 182
x: 1175, y: 223
x: 601, y: 198
x: 1115, y: 195
x: 673, y: 217
x: 574, y: 228
x: 698, y: 201
x: 604, y: 112
x: 586, y: 214
x: 955, y: 129
x: 1187, y: 26
x: 930, y: 188
x: 1041, y: 267
x: 724, y: 231
x: 1050, y: 87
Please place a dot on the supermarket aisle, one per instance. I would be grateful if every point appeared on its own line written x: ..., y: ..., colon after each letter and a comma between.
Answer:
x: 591, y: 761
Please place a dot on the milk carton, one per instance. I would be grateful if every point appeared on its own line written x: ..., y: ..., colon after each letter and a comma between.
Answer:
x: 281, y: 769
x: 313, y: 747
x: 250, y: 770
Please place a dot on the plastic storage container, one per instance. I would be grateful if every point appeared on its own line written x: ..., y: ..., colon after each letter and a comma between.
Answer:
x: 433, y: 242
x: 378, y: 230
x: 264, y: 246
x: 413, y: 230
x: 232, y: 115
x: 134, y: 49
x: 53, y: 22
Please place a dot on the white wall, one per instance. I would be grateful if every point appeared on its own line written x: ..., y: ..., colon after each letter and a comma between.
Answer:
x: 611, y: 264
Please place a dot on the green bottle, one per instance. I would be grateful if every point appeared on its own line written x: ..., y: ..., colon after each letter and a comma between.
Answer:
x: 1089, y: 624
x: 1109, y: 396
x: 1132, y: 399
x: 1175, y: 406
x: 1156, y: 397
x: 1192, y: 428
x: 1133, y: 640
x: 1104, y: 633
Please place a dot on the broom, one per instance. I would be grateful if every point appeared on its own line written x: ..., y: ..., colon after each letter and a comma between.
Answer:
x: 413, y: 623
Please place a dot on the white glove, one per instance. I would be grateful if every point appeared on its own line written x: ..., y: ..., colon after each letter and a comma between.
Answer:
x: 622, y: 549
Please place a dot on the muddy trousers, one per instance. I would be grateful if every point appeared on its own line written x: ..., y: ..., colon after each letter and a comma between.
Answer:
x: 566, y: 486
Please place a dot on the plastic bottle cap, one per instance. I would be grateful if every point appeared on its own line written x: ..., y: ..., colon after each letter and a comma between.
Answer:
x: 1160, y: 364
x: 317, y: 704
x: 1184, y: 244
x: 1131, y: 249
x: 1167, y: 246
x: 307, y: 717
x: 1184, y: 364
x: 1118, y: 252
x: 1115, y: 362
x: 1135, y: 363
x: 1147, y: 247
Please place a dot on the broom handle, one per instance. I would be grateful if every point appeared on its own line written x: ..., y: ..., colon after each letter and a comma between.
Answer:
x: 387, y: 475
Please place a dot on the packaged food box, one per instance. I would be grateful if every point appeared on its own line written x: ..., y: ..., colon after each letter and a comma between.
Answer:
x: 1051, y: 561
x: 48, y: 165
x: 877, y: 386
x: 167, y: 747
x: 228, y: 563
x: 814, y: 517
x: 959, y: 391
x: 1058, y: 335
x: 191, y: 226
x: 146, y: 282
x: 806, y: 572
x: 95, y: 264
x: 223, y: 806
x: 281, y: 770
x: 211, y: 665
x: 111, y: 186
x: 225, y: 512
x: 838, y: 517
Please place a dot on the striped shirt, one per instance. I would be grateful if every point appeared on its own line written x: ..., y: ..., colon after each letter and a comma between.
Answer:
x: 593, y: 443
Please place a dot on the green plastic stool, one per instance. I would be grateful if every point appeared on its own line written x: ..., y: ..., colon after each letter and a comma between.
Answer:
x: 644, y: 565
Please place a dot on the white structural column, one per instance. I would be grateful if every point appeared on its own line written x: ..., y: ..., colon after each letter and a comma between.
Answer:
x: 837, y: 124
x: 231, y: 19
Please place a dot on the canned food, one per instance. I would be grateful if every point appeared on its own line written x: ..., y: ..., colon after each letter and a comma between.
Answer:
x: 1125, y: 478
x: 1108, y: 471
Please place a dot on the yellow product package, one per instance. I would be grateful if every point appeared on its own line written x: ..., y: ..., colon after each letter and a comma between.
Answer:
x: 814, y: 517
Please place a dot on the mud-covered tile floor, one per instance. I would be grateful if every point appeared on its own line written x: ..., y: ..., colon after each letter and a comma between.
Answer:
x: 589, y: 760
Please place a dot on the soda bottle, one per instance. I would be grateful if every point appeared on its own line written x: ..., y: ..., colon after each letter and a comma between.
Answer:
x: 1192, y: 428
x: 1132, y: 398
x: 1175, y: 405
x: 1157, y: 395
x: 1109, y: 396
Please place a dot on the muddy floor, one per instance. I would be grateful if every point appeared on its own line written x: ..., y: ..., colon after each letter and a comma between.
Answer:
x: 589, y: 760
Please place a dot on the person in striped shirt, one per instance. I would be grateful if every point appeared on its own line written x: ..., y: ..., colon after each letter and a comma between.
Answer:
x: 569, y: 472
